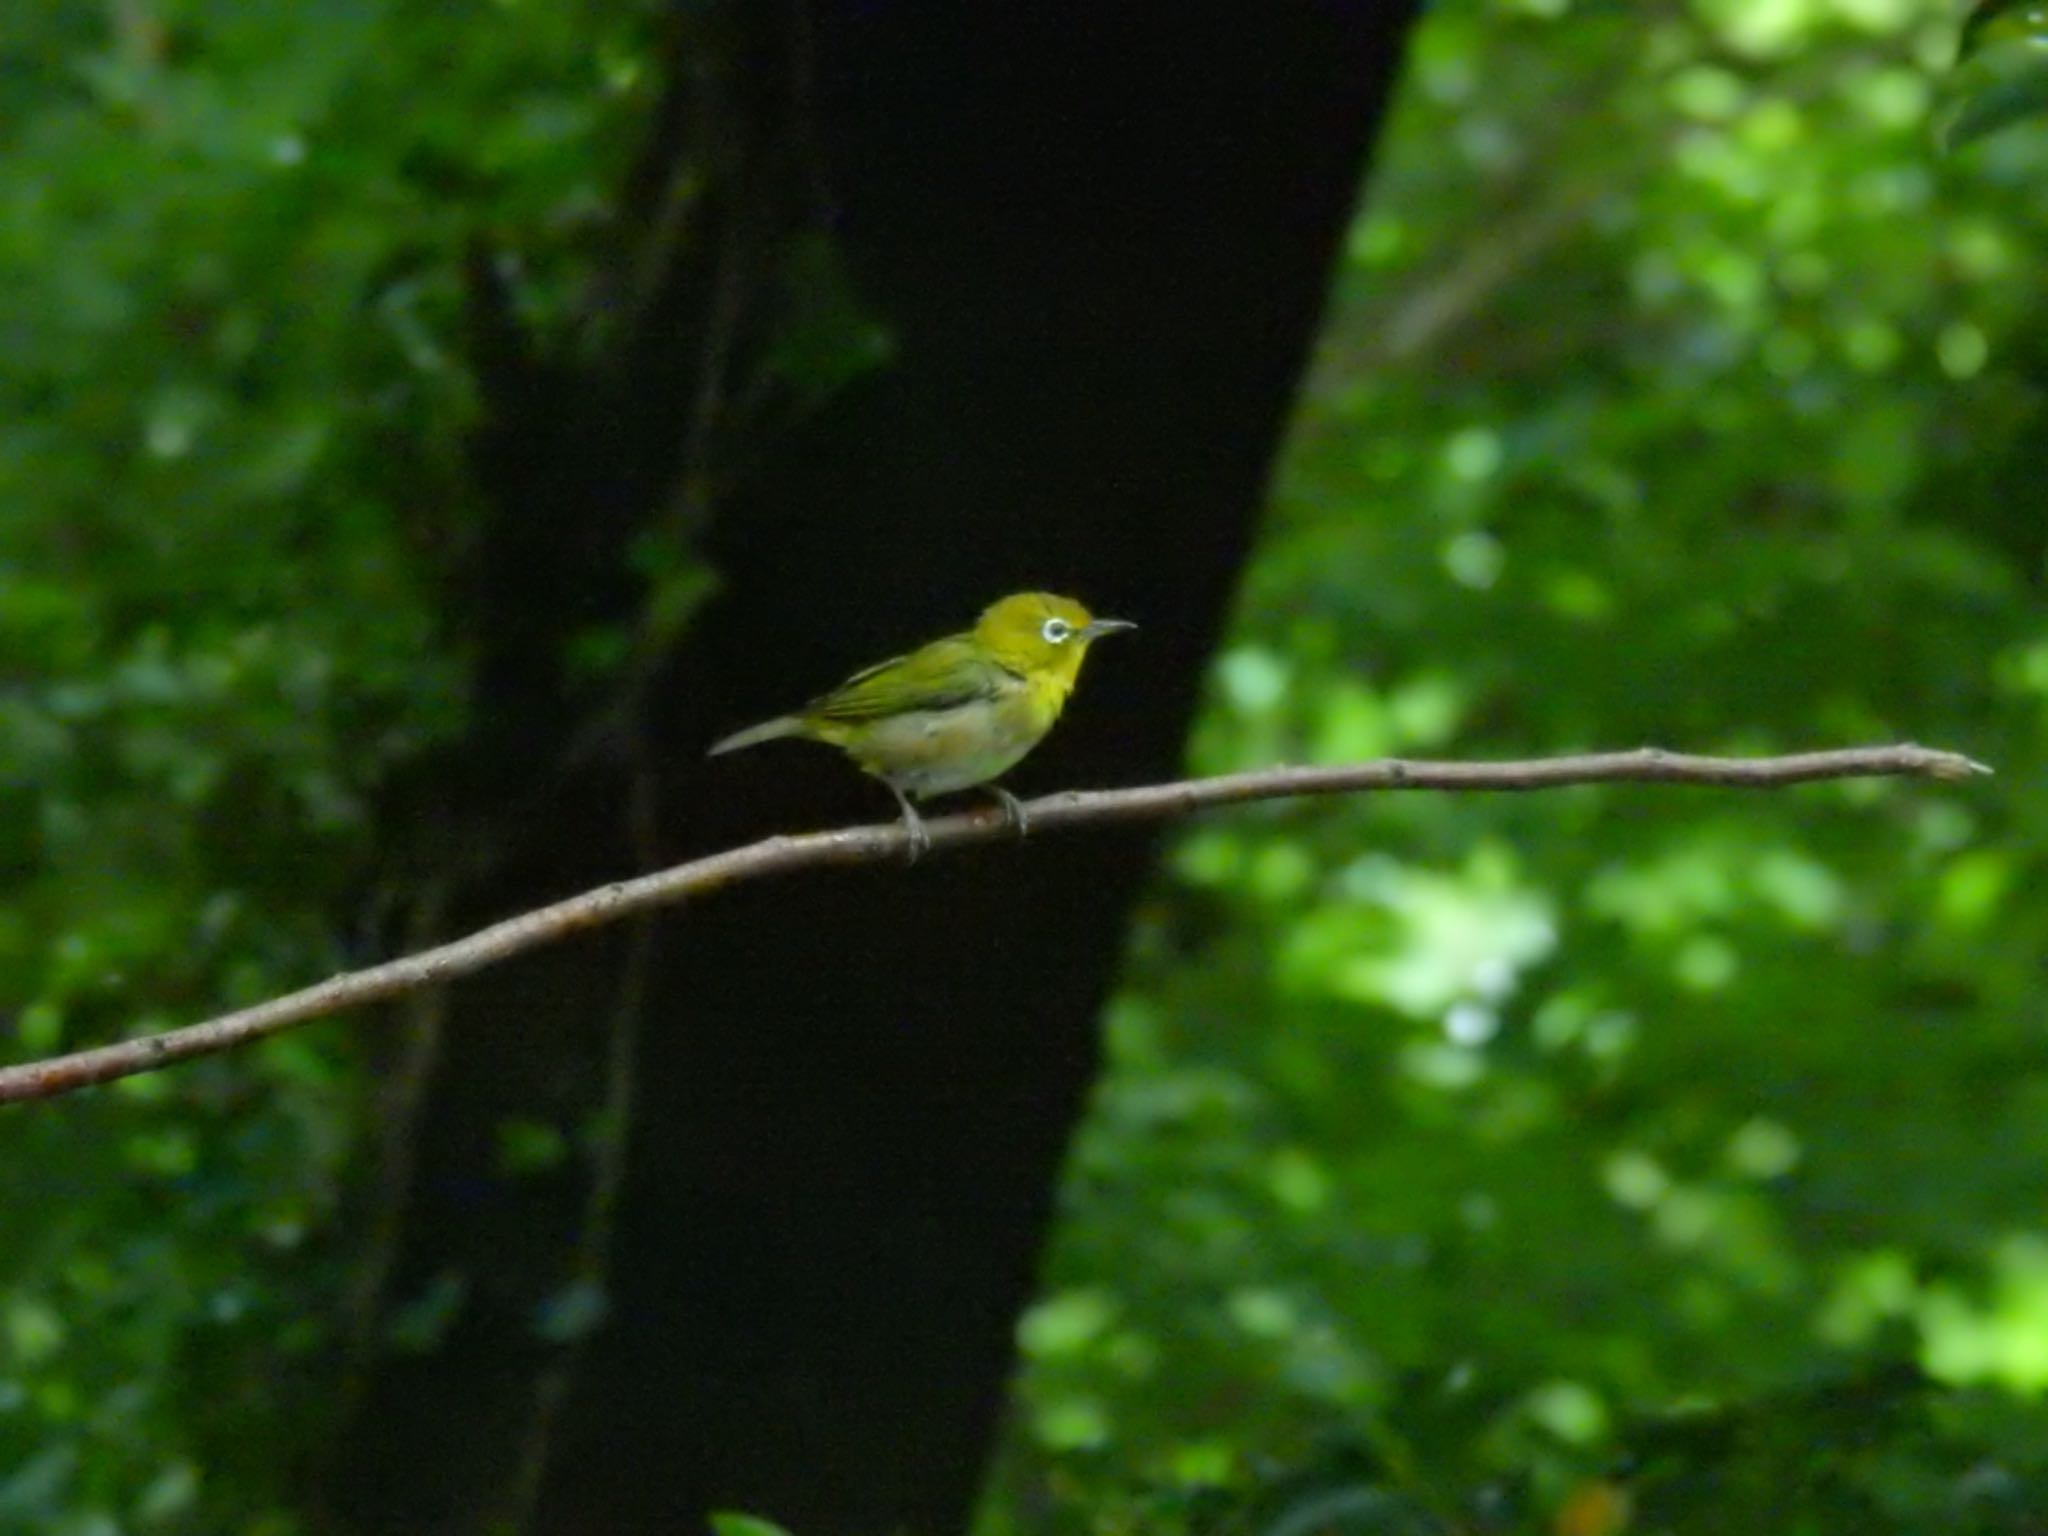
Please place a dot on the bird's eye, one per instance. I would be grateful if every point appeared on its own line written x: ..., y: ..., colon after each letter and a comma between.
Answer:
x: 1056, y: 630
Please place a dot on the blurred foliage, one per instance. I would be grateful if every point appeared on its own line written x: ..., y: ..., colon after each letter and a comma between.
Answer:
x: 1607, y: 1159
x: 232, y: 407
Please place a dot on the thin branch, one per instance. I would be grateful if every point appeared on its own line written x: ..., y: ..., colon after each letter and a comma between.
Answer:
x: 887, y: 843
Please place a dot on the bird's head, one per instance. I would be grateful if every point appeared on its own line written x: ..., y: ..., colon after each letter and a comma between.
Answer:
x: 1040, y: 635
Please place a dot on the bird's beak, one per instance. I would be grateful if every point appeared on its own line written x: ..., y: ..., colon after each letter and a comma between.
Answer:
x: 1097, y: 628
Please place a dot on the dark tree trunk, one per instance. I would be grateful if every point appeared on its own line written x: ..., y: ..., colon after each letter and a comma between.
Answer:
x: 1100, y: 235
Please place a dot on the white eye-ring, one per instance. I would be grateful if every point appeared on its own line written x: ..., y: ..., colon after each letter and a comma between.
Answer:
x: 1056, y: 631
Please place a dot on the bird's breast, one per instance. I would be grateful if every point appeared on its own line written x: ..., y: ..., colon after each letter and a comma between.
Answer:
x: 934, y: 752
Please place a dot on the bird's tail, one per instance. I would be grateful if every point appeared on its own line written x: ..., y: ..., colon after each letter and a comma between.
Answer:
x: 754, y: 735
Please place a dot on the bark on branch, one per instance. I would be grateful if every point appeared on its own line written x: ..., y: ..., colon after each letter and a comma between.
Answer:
x: 884, y: 843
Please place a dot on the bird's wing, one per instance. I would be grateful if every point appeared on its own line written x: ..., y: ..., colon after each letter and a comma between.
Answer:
x: 943, y: 675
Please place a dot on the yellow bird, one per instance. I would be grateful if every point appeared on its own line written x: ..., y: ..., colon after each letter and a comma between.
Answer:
x: 955, y: 713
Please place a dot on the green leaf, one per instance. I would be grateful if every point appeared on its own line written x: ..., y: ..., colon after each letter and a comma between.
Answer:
x: 2012, y: 91
x: 1992, y: 22
x: 726, y: 1522
x: 2001, y: 74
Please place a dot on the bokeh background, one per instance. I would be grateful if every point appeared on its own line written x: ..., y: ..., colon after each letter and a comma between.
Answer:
x: 1590, y: 1161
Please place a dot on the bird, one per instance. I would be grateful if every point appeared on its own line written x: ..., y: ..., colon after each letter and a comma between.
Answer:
x: 954, y: 714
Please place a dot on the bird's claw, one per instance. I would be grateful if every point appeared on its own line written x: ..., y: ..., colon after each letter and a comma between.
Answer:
x: 920, y: 842
x: 1013, y: 810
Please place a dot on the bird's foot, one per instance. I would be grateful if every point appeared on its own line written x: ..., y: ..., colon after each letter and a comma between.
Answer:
x: 920, y: 840
x: 1013, y: 809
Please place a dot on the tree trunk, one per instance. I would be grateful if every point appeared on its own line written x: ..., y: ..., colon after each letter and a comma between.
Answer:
x: 1100, y: 236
